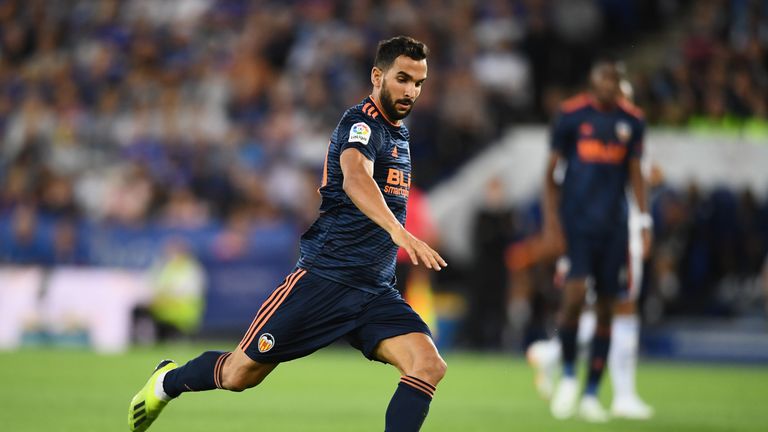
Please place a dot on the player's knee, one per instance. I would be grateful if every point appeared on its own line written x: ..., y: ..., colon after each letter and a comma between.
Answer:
x: 571, y: 312
x: 431, y: 370
x: 441, y: 369
x: 604, y: 312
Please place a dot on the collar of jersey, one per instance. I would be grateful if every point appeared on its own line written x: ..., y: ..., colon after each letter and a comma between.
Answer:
x: 384, y: 116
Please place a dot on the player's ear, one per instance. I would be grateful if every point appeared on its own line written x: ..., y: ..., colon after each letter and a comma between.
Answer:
x: 376, y: 76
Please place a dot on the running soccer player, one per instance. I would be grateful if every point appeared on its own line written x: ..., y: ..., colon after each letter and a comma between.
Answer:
x: 343, y: 283
x: 545, y: 355
x: 598, y: 137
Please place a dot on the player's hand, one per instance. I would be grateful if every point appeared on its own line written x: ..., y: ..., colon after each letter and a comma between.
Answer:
x: 647, y: 238
x: 417, y: 250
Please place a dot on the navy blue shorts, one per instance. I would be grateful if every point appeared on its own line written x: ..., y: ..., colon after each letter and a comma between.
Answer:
x: 307, y: 312
x: 603, y: 256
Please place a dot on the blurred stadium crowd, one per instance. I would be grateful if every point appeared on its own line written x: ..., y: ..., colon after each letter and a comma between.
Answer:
x: 215, y: 115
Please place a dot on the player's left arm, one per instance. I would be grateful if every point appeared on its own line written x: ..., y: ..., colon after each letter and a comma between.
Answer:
x: 640, y: 190
x: 362, y: 189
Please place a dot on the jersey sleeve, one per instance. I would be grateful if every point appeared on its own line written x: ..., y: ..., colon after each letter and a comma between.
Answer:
x: 638, y: 139
x: 362, y: 133
x: 561, y: 134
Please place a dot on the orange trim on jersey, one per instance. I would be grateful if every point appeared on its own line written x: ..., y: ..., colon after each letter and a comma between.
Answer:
x: 420, y: 385
x: 270, y: 310
x: 631, y: 108
x: 366, y: 106
x: 288, y: 280
x: 325, y: 168
x: 383, y: 114
x: 575, y: 103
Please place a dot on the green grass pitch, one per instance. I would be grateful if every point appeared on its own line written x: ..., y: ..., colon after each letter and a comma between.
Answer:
x: 337, y: 390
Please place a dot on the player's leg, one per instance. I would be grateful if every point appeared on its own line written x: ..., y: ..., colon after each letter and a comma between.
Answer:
x: 580, y: 256
x: 566, y: 394
x: 622, y: 358
x: 590, y: 407
x: 210, y: 370
x: 421, y: 369
x: 390, y: 331
x: 622, y: 362
x: 610, y: 281
x: 544, y: 355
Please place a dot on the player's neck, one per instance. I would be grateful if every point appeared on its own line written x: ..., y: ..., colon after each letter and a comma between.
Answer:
x: 603, y: 106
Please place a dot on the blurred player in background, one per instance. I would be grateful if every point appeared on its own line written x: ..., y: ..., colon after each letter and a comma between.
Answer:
x: 545, y: 356
x: 598, y: 138
x: 343, y: 284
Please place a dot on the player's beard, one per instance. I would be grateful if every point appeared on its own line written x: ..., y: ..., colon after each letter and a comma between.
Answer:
x: 388, y: 105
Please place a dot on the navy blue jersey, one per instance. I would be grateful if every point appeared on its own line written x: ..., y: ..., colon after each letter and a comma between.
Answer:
x: 343, y: 244
x: 597, y: 145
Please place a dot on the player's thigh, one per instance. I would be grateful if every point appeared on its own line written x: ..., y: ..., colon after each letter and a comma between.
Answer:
x: 304, y: 314
x: 580, y: 255
x: 390, y: 331
x: 612, y: 272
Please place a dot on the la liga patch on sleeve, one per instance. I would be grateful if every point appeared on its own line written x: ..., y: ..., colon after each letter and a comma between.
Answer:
x: 360, y: 132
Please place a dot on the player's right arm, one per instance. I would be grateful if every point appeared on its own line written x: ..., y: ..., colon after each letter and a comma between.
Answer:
x: 362, y: 189
x: 552, y: 230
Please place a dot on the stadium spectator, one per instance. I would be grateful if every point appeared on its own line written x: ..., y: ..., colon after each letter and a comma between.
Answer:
x: 224, y: 99
x: 493, y: 229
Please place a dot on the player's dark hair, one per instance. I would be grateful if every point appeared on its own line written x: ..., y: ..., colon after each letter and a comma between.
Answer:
x: 390, y: 49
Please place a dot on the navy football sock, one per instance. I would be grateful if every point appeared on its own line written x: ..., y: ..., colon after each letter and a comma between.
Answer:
x: 597, y: 358
x: 567, y: 334
x: 409, y: 405
x: 199, y: 374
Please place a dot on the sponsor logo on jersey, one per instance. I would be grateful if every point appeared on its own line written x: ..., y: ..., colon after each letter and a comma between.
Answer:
x: 596, y: 151
x: 266, y: 342
x: 394, y: 152
x: 360, y: 132
x: 623, y: 131
x: 398, y: 183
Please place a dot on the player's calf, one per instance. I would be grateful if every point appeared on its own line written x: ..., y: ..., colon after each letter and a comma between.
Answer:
x: 239, y: 372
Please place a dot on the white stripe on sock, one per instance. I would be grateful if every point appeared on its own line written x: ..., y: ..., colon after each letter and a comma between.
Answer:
x: 160, y: 390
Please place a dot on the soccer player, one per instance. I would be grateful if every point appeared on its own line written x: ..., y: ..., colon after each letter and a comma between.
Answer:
x: 598, y: 137
x: 545, y: 355
x: 343, y: 283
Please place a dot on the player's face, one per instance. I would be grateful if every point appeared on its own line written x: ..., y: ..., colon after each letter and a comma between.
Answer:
x: 401, y: 85
x: 605, y: 84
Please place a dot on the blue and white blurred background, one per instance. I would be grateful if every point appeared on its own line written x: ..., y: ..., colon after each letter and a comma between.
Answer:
x: 156, y: 148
